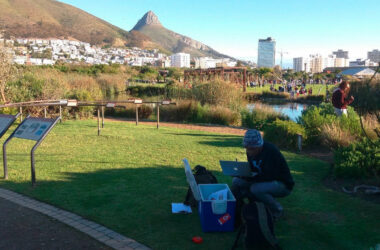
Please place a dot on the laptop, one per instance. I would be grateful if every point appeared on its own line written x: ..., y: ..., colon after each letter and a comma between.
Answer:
x: 236, y: 168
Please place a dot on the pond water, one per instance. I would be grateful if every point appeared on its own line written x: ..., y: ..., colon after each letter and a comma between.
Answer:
x: 292, y: 110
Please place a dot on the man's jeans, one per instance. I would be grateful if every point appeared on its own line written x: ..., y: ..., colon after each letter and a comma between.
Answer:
x: 261, y: 191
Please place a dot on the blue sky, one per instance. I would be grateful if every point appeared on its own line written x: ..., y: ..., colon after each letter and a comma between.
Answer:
x: 233, y: 27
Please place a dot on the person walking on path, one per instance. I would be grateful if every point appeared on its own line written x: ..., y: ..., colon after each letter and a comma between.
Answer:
x: 272, y: 176
x: 340, y: 100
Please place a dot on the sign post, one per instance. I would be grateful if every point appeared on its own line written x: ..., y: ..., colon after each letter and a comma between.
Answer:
x: 137, y: 101
x: 102, y: 116
x: 32, y: 128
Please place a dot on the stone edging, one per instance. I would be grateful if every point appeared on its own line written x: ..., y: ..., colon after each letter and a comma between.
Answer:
x: 98, y: 232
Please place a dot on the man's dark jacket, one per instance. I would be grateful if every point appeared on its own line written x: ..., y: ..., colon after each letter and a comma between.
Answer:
x: 271, y: 166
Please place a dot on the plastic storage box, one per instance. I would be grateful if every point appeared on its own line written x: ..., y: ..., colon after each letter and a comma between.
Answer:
x: 215, y: 215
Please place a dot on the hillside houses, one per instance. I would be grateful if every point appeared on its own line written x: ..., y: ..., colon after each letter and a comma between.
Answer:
x: 48, y: 52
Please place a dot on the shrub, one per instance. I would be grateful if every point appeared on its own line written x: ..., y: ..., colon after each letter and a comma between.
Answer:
x: 260, y: 117
x: 319, y: 122
x: 361, y: 159
x: 284, y: 133
x: 27, y: 88
x: 313, y: 118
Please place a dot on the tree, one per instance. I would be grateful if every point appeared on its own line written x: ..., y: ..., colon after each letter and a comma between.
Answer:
x: 8, y: 71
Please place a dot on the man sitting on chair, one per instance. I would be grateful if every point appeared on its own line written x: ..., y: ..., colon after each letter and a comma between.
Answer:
x: 273, y: 177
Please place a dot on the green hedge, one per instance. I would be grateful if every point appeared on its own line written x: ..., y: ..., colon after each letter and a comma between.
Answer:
x: 284, y: 133
x: 260, y: 118
x: 361, y: 159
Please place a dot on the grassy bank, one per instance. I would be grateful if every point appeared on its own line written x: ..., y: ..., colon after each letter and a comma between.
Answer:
x: 127, y: 178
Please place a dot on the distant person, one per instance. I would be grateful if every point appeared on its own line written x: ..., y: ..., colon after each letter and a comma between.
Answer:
x: 340, y: 100
x: 273, y: 177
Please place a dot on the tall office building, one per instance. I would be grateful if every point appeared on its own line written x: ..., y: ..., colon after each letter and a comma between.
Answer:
x: 266, y: 53
x: 341, y: 54
x: 374, y: 55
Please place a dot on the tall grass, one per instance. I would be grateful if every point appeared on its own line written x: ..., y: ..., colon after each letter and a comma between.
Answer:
x: 193, y: 111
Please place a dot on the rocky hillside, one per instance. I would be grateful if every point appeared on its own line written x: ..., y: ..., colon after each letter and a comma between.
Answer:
x: 150, y: 26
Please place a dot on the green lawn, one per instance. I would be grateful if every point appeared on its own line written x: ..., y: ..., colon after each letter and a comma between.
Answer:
x: 127, y: 178
x: 318, y: 89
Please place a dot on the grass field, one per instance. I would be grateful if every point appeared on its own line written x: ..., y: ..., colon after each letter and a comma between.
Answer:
x: 318, y: 89
x: 127, y: 178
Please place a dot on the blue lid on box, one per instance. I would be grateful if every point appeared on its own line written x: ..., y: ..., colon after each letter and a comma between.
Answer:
x: 191, y: 180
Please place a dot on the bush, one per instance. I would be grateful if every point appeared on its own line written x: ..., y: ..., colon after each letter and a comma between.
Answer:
x: 321, y: 122
x: 27, y: 88
x: 313, y: 118
x: 284, y: 133
x: 361, y: 159
x: 260, y: 117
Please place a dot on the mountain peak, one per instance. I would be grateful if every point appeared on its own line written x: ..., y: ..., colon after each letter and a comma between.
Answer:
x: 148, y: 19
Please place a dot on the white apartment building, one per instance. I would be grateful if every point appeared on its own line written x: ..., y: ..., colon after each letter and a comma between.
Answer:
x: 180, y: 60
x: 204, y: 62
x: 301, y: 64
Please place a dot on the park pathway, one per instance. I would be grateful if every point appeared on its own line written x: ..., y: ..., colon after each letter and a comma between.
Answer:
x: 24, y: 226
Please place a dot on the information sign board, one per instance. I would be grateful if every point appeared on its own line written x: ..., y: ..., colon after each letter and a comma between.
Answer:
x: 138, y: 101
x: 165, y: 102
x: 5, y: 122
x: 110, y: 105
x: 33, y: 128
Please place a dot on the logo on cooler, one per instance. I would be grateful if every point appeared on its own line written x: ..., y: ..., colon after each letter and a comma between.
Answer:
x: 226, y: 217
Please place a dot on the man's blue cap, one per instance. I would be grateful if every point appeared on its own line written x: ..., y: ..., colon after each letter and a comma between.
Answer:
x: 252, y: 139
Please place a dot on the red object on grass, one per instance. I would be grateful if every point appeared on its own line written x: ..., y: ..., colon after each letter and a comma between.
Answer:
x: 197, y: 239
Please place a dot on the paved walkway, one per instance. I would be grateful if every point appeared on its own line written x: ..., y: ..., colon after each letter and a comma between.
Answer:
x: 100, y: 233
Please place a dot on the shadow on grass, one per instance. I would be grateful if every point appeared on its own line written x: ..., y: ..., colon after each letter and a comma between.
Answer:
x: 217, y: 140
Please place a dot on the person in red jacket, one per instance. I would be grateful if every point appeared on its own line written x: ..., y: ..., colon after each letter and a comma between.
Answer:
x: 340, y: 100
